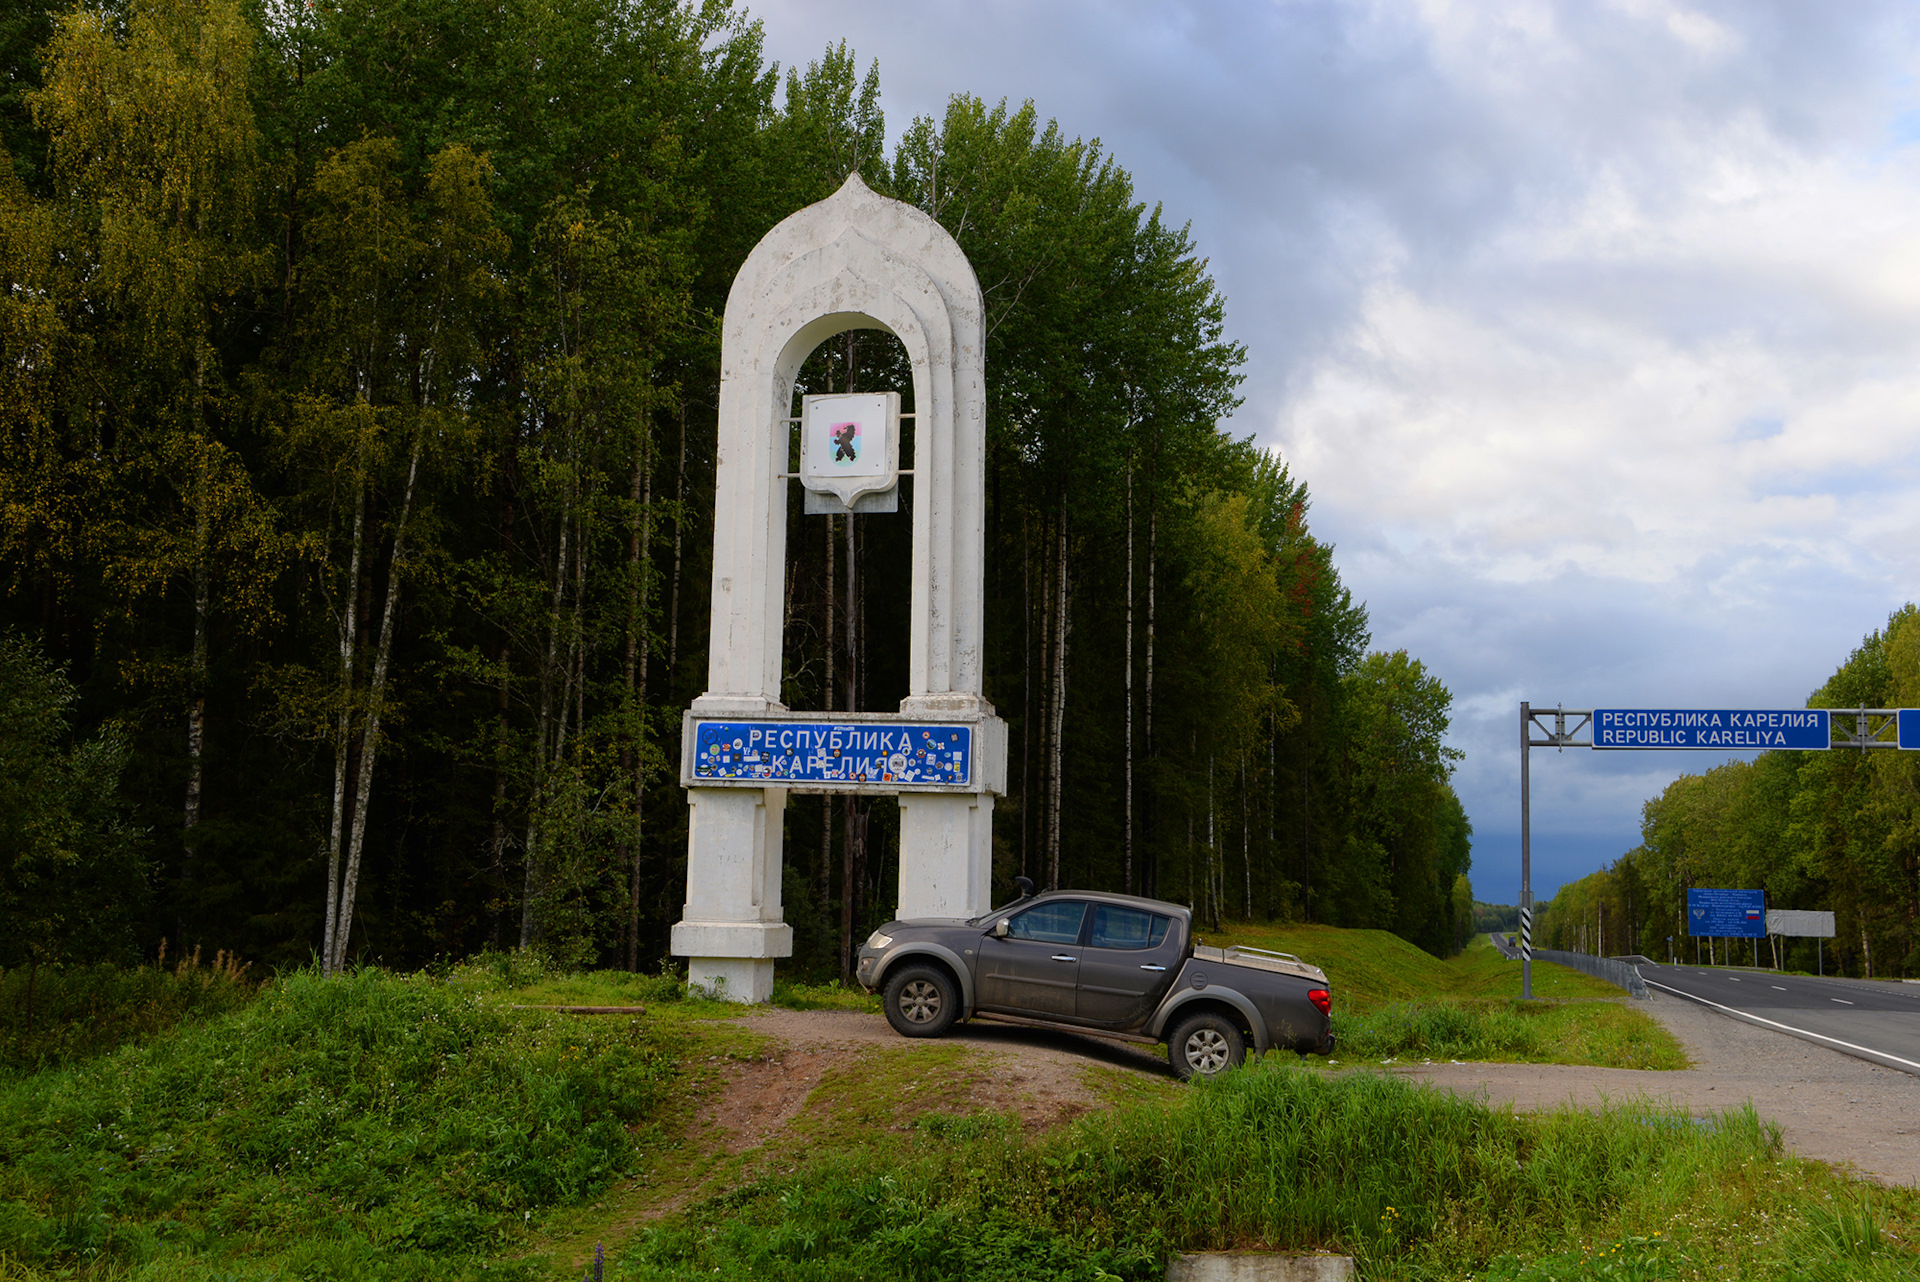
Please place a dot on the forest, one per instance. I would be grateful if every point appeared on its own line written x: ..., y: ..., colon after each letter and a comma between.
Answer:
x: 356, y: 472
x: 1837, y: 831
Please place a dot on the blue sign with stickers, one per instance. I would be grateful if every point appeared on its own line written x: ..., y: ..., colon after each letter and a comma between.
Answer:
x: 1727, y: 914
x: 1712, y: 728
x: 823, y: 752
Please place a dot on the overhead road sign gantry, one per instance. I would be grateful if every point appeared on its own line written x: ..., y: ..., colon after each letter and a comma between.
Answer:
x: 1700, y: 729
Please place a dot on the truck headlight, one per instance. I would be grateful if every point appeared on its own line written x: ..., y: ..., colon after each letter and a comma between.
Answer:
x: 878, y: 941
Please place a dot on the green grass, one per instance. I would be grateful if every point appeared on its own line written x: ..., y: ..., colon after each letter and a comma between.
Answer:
x: 1369, y: 968
x: 328, y: 1125
x: 1416, y: 1183
x: 377, y: 1126
x: 1605, y: 1034
x: 527, y: 980
x: 1396, y: 1002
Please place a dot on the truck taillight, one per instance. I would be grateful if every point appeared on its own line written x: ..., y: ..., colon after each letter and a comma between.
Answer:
x: 1322, y: 1000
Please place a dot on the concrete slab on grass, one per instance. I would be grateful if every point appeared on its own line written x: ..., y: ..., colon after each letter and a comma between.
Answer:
x: 1260, y: 1266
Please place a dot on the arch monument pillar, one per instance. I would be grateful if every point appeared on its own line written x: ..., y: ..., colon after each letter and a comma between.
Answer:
x: 856, y: 260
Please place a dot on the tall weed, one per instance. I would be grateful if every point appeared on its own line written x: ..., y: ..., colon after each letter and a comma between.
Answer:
x: 1445, y: 1029
x: 53, y: 1015
x: 411, y: 1118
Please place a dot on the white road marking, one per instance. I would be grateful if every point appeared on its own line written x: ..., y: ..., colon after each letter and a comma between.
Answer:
x: 1843, y: 1001
x: 1776, y: 988
x: 1770, y: 1023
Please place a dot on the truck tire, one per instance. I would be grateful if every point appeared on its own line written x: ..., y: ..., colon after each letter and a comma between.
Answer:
x: 921, y: 1001
x: 1205, y: 1044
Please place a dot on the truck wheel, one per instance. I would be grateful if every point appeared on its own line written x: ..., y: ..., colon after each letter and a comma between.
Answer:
x: 921, y: 1001
x: 1205, y: 1044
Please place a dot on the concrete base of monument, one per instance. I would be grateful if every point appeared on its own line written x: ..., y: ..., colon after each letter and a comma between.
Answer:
x: 749, y: 940
x: 732, y: 979
x: 732, y: 960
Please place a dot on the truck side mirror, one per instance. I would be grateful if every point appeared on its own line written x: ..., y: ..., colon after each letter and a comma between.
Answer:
x: 1000, y: 929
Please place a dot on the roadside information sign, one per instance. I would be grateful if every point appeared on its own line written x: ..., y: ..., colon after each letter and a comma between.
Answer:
x: 1727, y: 914
x: 1720, y: 729
x: 1804, y: 922
x: 897, y: 755
x: 1910, y: 727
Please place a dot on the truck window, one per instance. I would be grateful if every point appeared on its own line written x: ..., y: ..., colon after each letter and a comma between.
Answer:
x: 1054, y: 923
x: 1116, y: 927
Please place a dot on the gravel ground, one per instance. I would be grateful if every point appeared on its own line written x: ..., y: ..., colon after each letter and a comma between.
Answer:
x: 1829, y: 1106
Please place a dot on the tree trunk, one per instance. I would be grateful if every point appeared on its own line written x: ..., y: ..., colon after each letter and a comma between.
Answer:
x: 1043, y: 734
x: 1026, y: 687
x: 1246, y: 845
x: 1056, y: 748
x: 343, y: 731
x: 376, y: 698
x: 1213, y: 900
x: 1191, y: 908
x: 679, y: 535
x: 1273, y: 806
x: 197, y: 664
x: 635, y: 754
x: 543, y: 725
x: 1152, y: 877
x: 497, y: 838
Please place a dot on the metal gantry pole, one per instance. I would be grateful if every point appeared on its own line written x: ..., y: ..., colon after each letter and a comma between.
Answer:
x: 1526, y: 857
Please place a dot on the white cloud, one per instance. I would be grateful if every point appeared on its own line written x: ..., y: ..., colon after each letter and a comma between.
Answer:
x: 1593, y: 327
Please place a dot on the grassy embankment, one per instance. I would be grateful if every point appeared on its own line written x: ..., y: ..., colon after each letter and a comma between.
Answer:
x: 416, y: 1127
x: 1393, y: 1001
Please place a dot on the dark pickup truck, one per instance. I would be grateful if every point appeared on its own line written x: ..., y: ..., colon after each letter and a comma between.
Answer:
x: 1116, y: 965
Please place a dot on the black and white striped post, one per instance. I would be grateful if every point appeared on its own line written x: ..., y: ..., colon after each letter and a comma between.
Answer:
x: 1526, y: 857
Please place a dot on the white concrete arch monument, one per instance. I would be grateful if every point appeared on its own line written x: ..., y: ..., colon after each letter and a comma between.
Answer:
x: 854, y: 261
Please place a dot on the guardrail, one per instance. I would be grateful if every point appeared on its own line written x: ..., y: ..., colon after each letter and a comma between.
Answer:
x: 1622, y: 974
x: 1617, y: 973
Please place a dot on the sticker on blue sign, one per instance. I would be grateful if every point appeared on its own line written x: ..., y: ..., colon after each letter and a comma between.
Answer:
x: 848, y: 754
x: 1713, y: 729
x: 1727, y: 914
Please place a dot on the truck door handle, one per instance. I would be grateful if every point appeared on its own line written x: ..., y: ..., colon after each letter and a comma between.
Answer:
x: 1151, y: 966
x: 1064, y: 957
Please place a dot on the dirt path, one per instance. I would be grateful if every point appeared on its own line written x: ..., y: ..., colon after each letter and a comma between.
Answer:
x: 1829, y: 1106
x: 1038, y: 1075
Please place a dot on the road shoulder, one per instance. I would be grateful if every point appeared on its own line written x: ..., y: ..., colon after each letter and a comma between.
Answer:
x: 1829, y: 1106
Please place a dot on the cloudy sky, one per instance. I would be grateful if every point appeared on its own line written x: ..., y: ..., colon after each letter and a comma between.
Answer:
x: 1591, y: 325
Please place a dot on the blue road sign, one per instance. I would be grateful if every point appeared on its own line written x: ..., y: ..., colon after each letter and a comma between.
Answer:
x: 1735, y: 914
x: 820, y: 752
x: 1910, y: 727
x: 1724, y: 730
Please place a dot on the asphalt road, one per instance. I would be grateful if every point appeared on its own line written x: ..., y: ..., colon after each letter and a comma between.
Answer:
x: 1877, y: 1020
